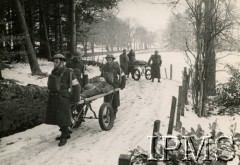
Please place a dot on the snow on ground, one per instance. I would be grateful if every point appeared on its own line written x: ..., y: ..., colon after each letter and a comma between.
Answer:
x: 142, y: 102
x: 22, y: 73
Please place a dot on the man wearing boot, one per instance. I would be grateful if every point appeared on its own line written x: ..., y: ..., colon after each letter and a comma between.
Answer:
x: 64, y: 90
x: 132, y: 59
x: 111, y: 72
x: 124, y: 62
x: 155, y: 61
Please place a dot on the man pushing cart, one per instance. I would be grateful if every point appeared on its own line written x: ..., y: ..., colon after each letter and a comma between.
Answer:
x: 64, y: 115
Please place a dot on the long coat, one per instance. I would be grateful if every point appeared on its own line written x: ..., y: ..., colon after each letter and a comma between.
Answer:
x: 124, y: 63
x: 78, y: 68
x: 155, y: 61
x: 132, y: 58
x: 59, y: 101
x: 115, y: 70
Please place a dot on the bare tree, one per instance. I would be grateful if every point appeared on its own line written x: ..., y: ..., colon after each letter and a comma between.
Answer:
x: 44, y: 40
x: 73, y: 33
x: 210, y: 19
x: 28, y: 43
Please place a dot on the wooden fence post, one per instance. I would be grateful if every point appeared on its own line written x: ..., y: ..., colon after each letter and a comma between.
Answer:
x: 166, y: 73
x: 124, y: 159
x: 152, y: 160
x: 187, y: 88
x: 170, y: 71
x: 179, y: 105
x: 172, y: 113
x: 184, y: 90
x: 156, y: 127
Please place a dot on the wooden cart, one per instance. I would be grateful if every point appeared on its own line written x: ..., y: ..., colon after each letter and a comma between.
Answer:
x: 141, y: 70
x: 105, y: 116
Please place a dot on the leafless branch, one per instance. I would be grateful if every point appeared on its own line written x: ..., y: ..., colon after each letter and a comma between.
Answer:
x: 188, y: 49
x: 227, y: 56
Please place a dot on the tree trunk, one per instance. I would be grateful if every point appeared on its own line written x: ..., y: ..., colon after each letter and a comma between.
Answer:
x: 19, y: 48
x: 197, y: 82
x: 60, y: 28
x: 30, y: 20
x: 92, y: 47
x: 1, y: 77
x: 209, y: 48
x: 35, y: 69
x: 56, y: 19
x: 145, y: 46
x: 73, y: 44
x: 45, y: 40
x: 85, y: 46
x: 9, y: 20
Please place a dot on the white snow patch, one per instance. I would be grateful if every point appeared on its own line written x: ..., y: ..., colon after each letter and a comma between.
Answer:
x: 142, y: 102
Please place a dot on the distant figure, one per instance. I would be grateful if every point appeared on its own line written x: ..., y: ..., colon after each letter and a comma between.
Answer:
x: 124, y: 62
x: 64, y: 90
x: 132, y: 59
x: 111, y: 72
x: 155, y: 61
x: 77, y: 65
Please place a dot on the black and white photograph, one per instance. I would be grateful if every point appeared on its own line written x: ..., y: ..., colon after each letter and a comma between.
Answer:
x: 120, y: 82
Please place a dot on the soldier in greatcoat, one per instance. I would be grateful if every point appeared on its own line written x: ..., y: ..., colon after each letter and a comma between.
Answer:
x: 64, y: 90
x: 77, y: 65
x: 132, y: 59
x: 124, y: 62
x: 112, y: 74
x: 155, y: 61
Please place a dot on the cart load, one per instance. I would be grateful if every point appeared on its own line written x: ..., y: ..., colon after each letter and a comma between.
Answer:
x: 140, y: 63
x: 92, y: 89
x: 96, y: 88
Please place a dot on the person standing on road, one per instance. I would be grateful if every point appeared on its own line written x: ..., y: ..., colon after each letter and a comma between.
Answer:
x: 77, y: 65
x: 64, y: 90
x: 112, y: 74
x: 124, y: 62
x: 132, y: 59
x: 155, y: 61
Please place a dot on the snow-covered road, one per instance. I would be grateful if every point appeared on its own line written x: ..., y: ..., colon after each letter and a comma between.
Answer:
x: 142, y: 102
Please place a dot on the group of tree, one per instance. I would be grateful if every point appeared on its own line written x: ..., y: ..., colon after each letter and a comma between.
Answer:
x: 112, y: 32
x: 207, y: 26
x: 46, y: 27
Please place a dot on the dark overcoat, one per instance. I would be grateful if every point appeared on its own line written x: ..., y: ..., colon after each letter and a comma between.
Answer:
x: 132, y: 58
x: 78, y: 68
x: 155, y: 61
x: 115, y: 70
x: 59, y: 101
x: 124, y: 63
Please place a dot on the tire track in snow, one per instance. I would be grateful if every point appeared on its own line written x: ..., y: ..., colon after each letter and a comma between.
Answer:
x: 142, y: 102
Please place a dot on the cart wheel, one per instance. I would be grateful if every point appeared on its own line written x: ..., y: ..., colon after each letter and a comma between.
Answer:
x: 148, y: 74
x: 136, y: 74
x: 106, y: 116
x: 77, y: 116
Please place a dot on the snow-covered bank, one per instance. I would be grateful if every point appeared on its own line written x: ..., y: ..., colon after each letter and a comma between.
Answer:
x: 142, y: 102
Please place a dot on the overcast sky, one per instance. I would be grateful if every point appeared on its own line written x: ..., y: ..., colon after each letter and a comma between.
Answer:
x: 151, y: 16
